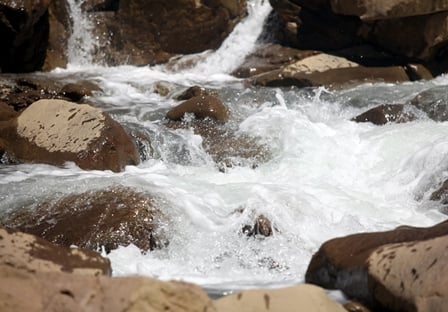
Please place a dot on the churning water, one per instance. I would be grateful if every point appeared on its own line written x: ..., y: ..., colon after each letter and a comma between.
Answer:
x: 326, y: 177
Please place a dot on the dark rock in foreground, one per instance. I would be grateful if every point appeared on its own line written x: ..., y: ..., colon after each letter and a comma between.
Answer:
x: 105, y: 218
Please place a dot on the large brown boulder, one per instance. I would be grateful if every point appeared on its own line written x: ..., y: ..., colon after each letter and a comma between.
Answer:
x: 55, y: 292
x: 341, y: 263
x: 24, y: 31
x: 411, y: 276
x: 32, y: 254
x: 296, y: 298
x: 105, y: 218
x: 57, y: 131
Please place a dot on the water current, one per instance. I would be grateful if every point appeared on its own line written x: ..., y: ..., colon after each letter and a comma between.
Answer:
x: 326, y: 176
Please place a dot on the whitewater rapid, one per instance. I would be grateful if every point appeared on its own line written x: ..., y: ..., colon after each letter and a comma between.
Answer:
x: 327, y: 176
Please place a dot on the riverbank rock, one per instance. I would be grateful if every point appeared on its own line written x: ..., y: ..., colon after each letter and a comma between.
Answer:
x: 104, y: 219
x: 331, y: 26
x: 386, y: 113
x: 411, y: 276
x: 57, y: 131
x: 302, y: 297
x: 328, y: 70
x: 32, y: 254
x: 342, y: 263
x: 140, y: 32
x: 54, y: 292
x: 201, y: 106
x: 24, y: 30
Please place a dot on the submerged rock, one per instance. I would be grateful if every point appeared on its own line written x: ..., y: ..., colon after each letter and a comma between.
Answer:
x: 32, y: 254
x: 341, y: 263
x: 227, y: 147
x: 262, y: 226
x: 57, y: 131
x: 296, y: 298
x: 386, y: 113
x: 95, y: 220
x: 433, y: 102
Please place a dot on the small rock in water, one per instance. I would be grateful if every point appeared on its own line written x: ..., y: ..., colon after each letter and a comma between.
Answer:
x: 202, y: 106
x: 262, y: 226
x: 76, y: 91
x: 384, y: 114
x: 191, y: 92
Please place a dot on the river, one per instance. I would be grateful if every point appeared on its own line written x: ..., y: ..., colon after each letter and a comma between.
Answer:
x: 326, y: 175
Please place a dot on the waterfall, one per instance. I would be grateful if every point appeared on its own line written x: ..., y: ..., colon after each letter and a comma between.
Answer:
x: 239, y: 43
x: 81, y: 43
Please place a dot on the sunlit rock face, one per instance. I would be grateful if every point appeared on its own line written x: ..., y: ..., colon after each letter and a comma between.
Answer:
x: 28, y: 253
x: 57, y: 131
x: 99, y: 219
x: 360, y: 265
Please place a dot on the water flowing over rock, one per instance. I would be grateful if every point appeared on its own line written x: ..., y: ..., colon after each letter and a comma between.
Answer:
x: 303, y: 297
x: 95, y: 220
x: 342, y: 263
x: 57, y: 131
x: 32, y: 254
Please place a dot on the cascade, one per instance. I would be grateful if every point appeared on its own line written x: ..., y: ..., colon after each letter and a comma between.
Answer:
x: 81, y: 43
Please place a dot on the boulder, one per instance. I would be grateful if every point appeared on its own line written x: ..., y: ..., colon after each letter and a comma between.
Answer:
x: 328, y: 70
x: 410, y: 276
x: 191, y: 92
x: 269, y: 57
x: 32, y: 254
x: 201, y: 106
x: 6, y: 112
x: 54, y: 292
x: 296, y: 298
x: 57, y: 131
x: 104, y: 219
x: 75, y: 91
x: 24, y: 30
x: 386, y: 113
x: 387, y: 9
x: 341, y: 263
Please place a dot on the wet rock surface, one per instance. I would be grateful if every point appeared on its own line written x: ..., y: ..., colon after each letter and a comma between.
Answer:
x: 201, y: 106
x: 57, y: 131
x: 386, y: 113
x: 98, y: 219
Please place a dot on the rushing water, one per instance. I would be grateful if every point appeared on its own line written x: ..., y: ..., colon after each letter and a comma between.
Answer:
x: 327, y: 176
